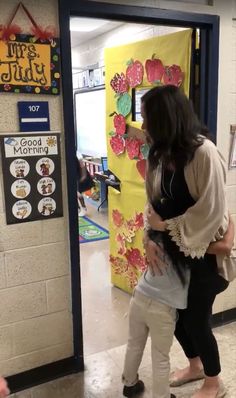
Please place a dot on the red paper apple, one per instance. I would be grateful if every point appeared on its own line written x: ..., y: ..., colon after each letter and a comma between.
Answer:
x: 117, y: 144
x: 173, y: 75
x: 134, y: 73
x: 119, y: 83
x: 141, y: 167
x: 154, y: 69
x: 133, y: 147
x: 119, y: 124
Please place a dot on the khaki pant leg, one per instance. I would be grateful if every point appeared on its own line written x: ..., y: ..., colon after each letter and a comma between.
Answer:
x: 161, y: 323
x: 138, y: 333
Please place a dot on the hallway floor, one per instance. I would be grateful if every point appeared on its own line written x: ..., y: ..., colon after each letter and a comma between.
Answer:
x: 102, y: 377
x: 105, y: 334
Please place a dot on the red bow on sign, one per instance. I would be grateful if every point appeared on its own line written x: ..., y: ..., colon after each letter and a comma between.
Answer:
x: 44, y: 34
x: 38, y: 31
x: 7, y: 31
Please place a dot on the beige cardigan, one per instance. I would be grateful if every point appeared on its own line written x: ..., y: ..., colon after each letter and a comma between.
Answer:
x: 207, y: 220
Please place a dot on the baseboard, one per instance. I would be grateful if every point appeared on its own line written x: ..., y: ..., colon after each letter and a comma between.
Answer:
x: 67, y: 366
x: 44, y: 374
x: 222, y: 318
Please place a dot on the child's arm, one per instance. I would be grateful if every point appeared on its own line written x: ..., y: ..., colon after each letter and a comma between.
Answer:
x: 225, y: 245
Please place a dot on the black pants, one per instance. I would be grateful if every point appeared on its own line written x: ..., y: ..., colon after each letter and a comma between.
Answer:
x: 193, y: 328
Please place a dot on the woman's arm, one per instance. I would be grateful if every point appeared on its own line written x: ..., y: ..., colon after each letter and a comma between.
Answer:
x: 225, y: 245
x: 194, y: 230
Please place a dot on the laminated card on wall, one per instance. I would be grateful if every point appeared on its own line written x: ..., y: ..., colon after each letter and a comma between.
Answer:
x: 32, y: 177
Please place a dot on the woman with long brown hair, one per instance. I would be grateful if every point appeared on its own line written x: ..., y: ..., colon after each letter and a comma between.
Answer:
x: 186, y: 175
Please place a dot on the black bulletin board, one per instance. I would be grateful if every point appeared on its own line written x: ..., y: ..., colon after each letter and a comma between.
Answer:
x: 31, y: 165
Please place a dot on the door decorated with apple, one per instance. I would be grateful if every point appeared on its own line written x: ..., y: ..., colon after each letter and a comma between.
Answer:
x: 131, y: 70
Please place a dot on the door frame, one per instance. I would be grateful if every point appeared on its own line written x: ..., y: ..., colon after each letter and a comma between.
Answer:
x: 209, y: 27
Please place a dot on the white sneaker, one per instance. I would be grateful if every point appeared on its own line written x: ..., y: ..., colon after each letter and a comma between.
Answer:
x: 82, y: 212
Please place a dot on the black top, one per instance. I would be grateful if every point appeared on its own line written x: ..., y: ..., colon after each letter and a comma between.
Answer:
x: 175, y: 200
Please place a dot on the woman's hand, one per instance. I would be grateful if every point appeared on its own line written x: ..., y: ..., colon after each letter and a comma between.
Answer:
x: 225, y: 245
x: 155, y: 221
x: 155, y: 257
x: 4, y: 391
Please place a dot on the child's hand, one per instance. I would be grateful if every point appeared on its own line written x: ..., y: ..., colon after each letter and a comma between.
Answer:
x: 155, y: 258
x: 155, y: 221
x: 4, y: 390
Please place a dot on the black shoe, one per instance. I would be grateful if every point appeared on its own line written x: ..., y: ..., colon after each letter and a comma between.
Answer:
x: 134, y: 390
x: 172, y: 396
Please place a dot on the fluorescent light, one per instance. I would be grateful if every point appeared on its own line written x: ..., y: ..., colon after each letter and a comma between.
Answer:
x: 86, y: 24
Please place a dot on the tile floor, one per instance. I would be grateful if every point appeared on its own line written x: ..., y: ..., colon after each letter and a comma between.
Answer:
x: 101, y: 378
x: 104, y: 350
x: 110, y: 312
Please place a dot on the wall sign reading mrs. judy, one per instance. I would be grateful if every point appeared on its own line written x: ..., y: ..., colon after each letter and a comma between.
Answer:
x: 29, y: 65
x: 32, y: 177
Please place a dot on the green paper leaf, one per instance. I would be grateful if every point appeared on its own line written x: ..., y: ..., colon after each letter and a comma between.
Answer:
x: 111, y: 133
x: 124, y: 104
x: 130, y: 62
x: 144, y: 149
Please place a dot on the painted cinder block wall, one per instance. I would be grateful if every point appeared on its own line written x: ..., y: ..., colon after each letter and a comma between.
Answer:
x: 35, y: 304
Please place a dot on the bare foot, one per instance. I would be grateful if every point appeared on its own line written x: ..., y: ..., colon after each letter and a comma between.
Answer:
x: 206, y: 392
x: 211, y: 388
x: 182, y: 376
